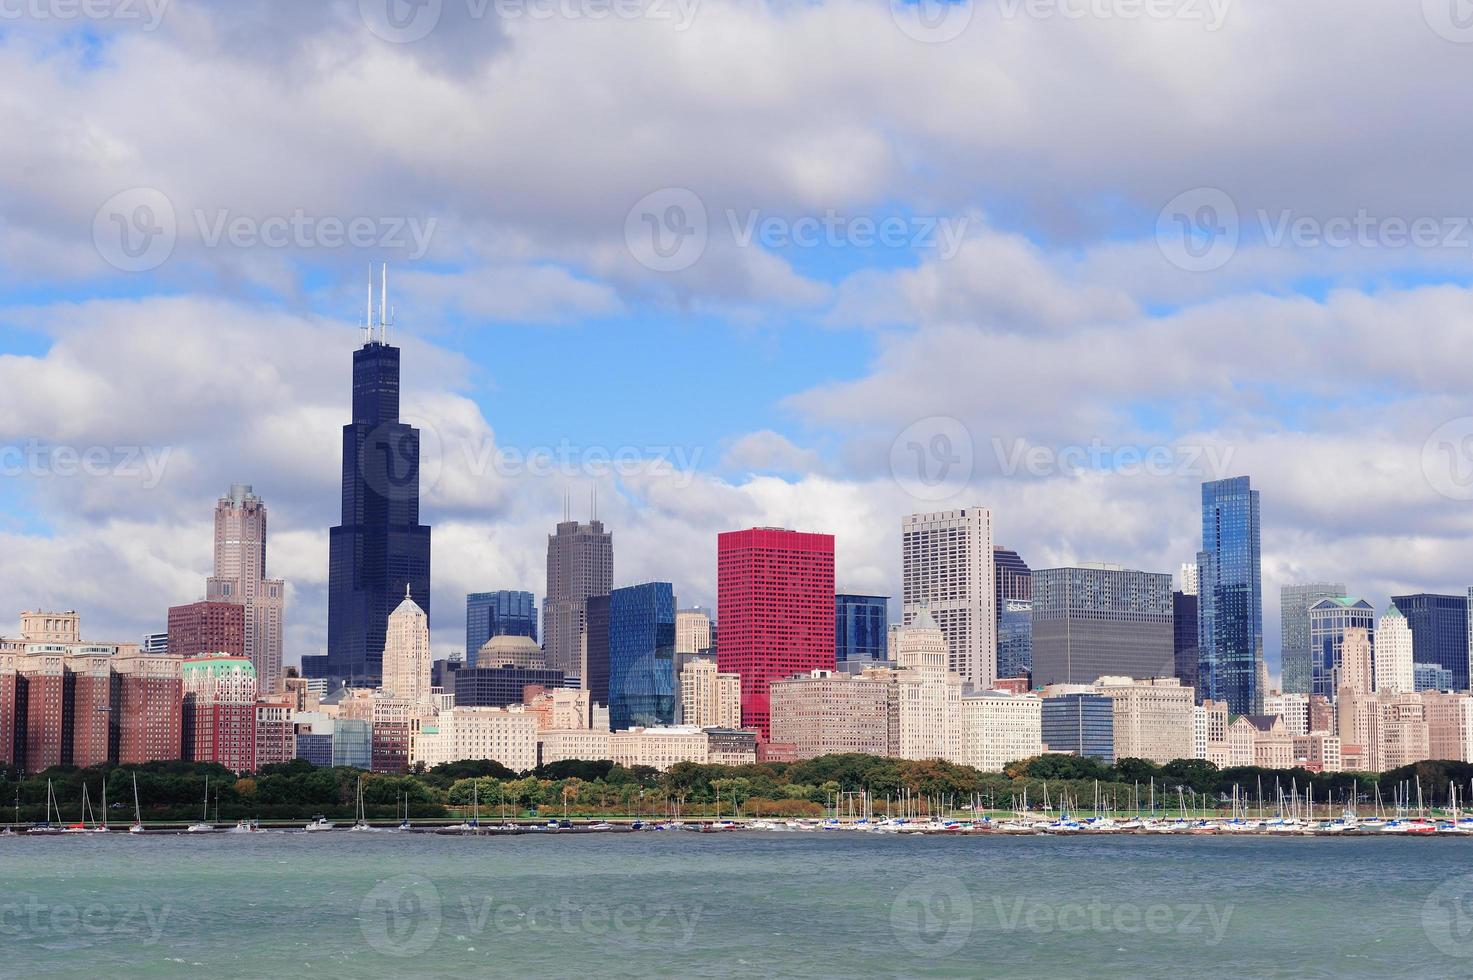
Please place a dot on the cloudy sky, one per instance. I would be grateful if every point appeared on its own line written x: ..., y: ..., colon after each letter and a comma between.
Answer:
x: 811, y: 264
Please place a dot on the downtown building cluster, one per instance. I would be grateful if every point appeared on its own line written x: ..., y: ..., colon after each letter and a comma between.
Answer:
x: 991, y: 662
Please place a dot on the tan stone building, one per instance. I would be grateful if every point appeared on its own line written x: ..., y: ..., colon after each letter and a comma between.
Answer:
x: 998, y: 728
x: 406, y: 665
x: 1154, y: 719
x: 709, y: 698
x: 824, y: 713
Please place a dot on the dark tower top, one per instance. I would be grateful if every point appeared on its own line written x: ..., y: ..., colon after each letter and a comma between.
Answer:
x: 376, y: 383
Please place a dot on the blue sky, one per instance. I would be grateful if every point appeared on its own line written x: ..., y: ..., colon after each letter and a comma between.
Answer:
x: 584, y: 279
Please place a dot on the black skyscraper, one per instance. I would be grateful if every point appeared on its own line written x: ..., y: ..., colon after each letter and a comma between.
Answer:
x: 381, y: 546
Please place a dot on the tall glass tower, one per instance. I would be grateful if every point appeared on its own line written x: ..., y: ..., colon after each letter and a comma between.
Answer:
x: 380, y: 547
x: 1230, y: 596
x: 642, y: 655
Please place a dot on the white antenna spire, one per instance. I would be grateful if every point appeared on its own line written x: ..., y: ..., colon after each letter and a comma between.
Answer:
x: 368, y: 310
x: 383, y: 306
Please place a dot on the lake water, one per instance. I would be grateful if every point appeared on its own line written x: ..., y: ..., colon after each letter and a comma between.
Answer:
x: 733, y: 905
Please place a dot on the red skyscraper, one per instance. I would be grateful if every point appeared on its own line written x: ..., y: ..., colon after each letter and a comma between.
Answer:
x: 202, y: 628
x: 775, y: 610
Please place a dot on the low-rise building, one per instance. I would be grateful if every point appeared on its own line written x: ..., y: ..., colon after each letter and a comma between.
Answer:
x: 998, y: 728
x: 1154, y: 718
x: 504, y: 735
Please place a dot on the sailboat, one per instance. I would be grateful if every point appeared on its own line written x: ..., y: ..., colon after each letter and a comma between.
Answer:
x: 361, y: 824
x: 137, y: 827
x: 405, y: 824
x: 204, y: 826
x: 80, y: 827
x: 46, y: 827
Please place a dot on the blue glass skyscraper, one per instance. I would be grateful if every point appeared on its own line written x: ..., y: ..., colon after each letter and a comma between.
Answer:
x: 381, y: 546
x: 642, y: 655
x: 503, y: 613
x: 861, y: 628
x: 1230, y: 596
x: 1439, y: 632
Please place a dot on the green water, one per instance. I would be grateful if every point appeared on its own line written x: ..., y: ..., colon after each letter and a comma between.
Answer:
x: 733, y: 905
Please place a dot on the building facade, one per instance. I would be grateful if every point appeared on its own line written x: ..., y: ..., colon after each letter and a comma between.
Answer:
x: 503, y: 613
x: 207, y: 627
x: 947, y: 567
x: 708, y: 697
x: 1439, y: 625
x: 1294, y: 603
x: 1230, y: 595
x: 1394, y: 648
x: 1153, y: 719
x: 997, y: 729
x: 1081, y: 723
x: 827, y: 713
x: 580, y: 564
x: 693, y: 631
x: 642, y: 656
x: 1094, y: 620
x: 1329, y: 619
x: 406, y: 658
x: 861, y: 626
x: 240, y: 577
x: 380, y: 547
x: 775, y: 605
x: 219, y: 711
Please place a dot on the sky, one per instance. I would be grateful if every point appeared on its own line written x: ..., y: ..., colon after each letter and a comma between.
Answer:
x: 731, y: 263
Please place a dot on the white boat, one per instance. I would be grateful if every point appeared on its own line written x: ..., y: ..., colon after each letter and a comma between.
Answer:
x: 246, y: 827
x: 319, y: 823
x: 361, y: 824
x: 137, y: 827
x: 47, y: 827
x: 204, y: 826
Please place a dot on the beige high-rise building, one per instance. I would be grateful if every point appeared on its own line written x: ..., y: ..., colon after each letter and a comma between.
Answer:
x: 1319, y: 752
x: 825, y: 713
x: 947, y: 568
x: 927, y: 695
x: 240, y: 577
x: 708, y: 697
x: 1354, y: 673
x: 1154, y: 719
x: 504, y: 735
x: 1293, y: 708
x: 1235, y: 748
x: 51, y: 627
x: 1358, y: 720
x: 1449, y: 726
x: 692, y: 631
x: 1394, y: 654
x: 1404, y: 731
x: 407, y: 653
x: 997, y: 729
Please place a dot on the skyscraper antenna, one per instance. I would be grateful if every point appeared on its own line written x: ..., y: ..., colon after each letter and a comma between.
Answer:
x: 368, y: 309
x: 595, y: 500
x: 383, y: 306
